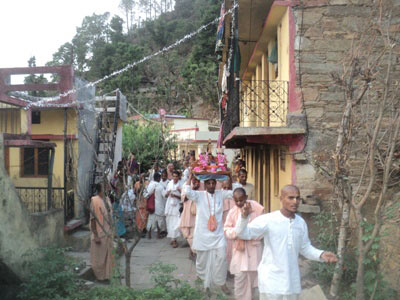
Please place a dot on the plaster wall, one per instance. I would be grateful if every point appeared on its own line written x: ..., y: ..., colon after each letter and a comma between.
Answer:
x: 10, y: 121
x: 190, y: 123
x: 20, y: 231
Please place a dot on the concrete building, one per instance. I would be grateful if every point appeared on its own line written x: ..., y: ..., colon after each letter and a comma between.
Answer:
x: 48, y: 149
x: 281, y: 103
x: 193, y: 135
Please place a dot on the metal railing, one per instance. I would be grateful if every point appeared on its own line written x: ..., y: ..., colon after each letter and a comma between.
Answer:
x: 263, y: 103
x: 35, y: 198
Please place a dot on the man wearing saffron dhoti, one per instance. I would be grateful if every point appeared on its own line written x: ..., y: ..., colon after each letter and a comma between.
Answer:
x: 285, y: 237
x: 246, y: 255
x: 209, y: 240
x: 101, y: 244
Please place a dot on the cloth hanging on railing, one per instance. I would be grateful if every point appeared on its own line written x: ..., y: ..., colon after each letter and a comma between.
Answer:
x: 273, y: 57
x: 219, y: 46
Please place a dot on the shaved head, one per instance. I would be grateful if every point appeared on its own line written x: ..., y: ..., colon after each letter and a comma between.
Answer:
x: 288, y: 188
x: 239, y: 192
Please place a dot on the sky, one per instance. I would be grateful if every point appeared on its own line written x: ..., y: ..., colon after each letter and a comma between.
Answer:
x: 38, y: 27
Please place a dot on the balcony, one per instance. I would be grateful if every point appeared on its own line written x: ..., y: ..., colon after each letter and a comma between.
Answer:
x: 263, y: 103
x: 258, y: 114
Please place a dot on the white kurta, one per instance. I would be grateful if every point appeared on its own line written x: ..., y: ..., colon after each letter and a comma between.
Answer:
x: 158, y: 189
x: 284, y: 240
x: 204, y: 239
x: 185, y: 175
x: 211, y: 264
x: 164, y: 183
x: 172, y: 209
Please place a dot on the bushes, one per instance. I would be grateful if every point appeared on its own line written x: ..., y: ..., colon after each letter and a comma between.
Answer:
x: 53, y: 277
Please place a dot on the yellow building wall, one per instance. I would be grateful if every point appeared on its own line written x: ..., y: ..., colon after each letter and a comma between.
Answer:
x: 279, y: 177
x: 266, y: 71
x: 283, y: 47
x: 52, y: 122
x: 24, y: 121
x: 10, y: 121
x: 58, y: 170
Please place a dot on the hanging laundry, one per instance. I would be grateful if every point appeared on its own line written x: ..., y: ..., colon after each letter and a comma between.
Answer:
x: 219, y: 46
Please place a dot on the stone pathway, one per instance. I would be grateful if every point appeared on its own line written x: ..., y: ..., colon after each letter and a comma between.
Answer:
x: 155, y: 250
x: 148, y: 252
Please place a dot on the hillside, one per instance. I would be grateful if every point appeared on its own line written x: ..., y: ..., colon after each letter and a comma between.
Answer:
x: 180, y: 81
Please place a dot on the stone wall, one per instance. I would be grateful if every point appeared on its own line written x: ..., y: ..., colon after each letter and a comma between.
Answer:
x: 325, y: 32
x: 20, y: 231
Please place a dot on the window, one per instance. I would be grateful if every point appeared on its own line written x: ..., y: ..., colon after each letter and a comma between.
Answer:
x: 35, y: 117
x: 35, y: 162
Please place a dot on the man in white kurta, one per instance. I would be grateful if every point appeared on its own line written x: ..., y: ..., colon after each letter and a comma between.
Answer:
x: 210, y: 246
x: 157, y: 219
x: 246, y: 255
x: 285, y: 237
x: 242, y: 182
x: 172, y: 213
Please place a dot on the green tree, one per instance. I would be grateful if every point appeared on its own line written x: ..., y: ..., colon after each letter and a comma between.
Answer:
x: 34, y: 79
x: 149, y: 143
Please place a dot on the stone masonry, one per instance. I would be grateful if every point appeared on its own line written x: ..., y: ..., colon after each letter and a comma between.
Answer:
x: 325, y: 32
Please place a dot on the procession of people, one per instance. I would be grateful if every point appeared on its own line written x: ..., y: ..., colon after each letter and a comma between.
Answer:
x: 228, y: 232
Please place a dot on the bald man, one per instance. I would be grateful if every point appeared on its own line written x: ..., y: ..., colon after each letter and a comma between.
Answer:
x: 246, y: 255
x: 285, y: 237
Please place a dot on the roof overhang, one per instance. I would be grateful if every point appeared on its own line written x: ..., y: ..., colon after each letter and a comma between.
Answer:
x: 251, y: 17
x: 267, y: 33
x: 25, y: 141
x: 240, y: 137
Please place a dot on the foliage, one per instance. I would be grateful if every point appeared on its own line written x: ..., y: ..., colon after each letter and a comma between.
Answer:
x: 167, y: 288
x: 33, y: 78
x: 181, y: 77
x: 148, y: 142
x: 325, y: 238
x: 51, y: 275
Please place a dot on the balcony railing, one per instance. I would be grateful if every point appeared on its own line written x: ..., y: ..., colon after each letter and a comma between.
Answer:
x: 35, y: 198
x: 263, y: 103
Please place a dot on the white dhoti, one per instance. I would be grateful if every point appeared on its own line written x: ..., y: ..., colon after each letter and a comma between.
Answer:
x: 173, y: 226
x: 279, y: 297
x: 211, y: 266
x: 155, y: 220
x: 244, y: 284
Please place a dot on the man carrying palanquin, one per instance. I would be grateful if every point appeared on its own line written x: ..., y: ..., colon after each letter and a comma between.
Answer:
x: 246, y: 255
x: 209, y: 240
x: 285, y: 237
x: 101, y: 244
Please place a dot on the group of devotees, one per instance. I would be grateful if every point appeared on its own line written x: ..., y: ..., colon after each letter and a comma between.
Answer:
x: 228, y: 233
